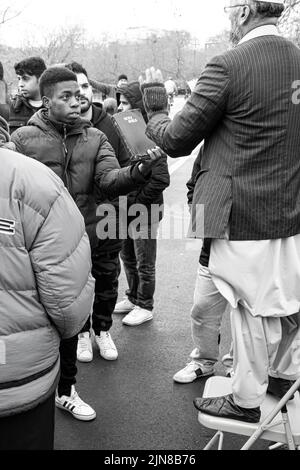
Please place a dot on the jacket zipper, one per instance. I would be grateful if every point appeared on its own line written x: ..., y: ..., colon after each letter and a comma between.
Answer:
x: 66, y: 178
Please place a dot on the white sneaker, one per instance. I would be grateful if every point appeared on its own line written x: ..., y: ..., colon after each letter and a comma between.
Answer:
x: 191, y: 372
x: 107, y: 347
x: 125, y: 306
x: 74, y: 405
x: 84, y: 347
x: 137, y: 316
x: 227, y: 361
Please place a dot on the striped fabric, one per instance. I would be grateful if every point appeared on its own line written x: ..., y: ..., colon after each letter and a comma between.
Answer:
x: 243, y: 109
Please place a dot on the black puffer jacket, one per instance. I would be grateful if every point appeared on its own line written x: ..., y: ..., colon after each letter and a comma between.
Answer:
x: 152, y: 192
x: 83, y: 158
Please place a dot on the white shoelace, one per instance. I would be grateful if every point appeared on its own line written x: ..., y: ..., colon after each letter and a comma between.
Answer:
x: 108, y: 343
x: 83, y: 345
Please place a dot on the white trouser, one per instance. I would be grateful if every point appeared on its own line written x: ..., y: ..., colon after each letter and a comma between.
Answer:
x: 261, y: 281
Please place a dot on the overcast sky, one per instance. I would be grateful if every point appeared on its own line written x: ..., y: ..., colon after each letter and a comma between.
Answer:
x: 203, y: 18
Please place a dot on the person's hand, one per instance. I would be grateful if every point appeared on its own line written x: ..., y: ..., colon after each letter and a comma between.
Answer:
x: 152, y: 76
x: 155, y: 154
x: 154, y: 93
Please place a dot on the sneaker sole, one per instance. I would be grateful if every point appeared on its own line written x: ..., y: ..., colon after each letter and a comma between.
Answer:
x: 84, y: 360
x: 186, y: 381
x: 79, y: 417
x: 136, y: 324
x: 108, y: 358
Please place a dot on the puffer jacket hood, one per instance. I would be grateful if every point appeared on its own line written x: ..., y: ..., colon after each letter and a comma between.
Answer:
x: 99, y: 115
x: 41, y: 120
x: 133, y: 94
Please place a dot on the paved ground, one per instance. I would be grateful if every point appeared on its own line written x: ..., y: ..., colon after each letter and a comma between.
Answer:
x: 138, y: 405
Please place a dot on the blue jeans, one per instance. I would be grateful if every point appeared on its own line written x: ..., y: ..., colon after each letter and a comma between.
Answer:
x: 139, y: 258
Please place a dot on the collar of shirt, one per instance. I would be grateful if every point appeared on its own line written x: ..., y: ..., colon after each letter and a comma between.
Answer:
x: 265, y: 30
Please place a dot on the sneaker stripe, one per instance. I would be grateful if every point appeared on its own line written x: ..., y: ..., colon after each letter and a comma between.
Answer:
x: 198, y: 372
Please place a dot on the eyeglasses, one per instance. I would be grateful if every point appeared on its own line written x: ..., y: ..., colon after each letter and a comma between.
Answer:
x: 234, y: 6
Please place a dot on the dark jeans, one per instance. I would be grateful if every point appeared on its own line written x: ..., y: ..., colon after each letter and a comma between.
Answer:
x: 106, y: 270
x: 32, y: 430
x: 139, y: 258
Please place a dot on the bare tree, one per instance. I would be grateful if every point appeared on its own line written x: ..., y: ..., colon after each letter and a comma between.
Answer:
x: 289, y: 22
x: 57, y: 46
x: 292, y: 8
x: 8, y: 14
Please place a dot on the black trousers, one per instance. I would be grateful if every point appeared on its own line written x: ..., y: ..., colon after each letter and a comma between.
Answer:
x: 68, y: 369
x: 106, y: 270
x: 32, y: 430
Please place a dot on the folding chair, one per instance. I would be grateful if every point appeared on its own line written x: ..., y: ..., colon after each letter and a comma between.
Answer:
x: 280, y: 419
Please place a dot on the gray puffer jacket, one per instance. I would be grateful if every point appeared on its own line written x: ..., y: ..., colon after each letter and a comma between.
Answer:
x: 46, y: 287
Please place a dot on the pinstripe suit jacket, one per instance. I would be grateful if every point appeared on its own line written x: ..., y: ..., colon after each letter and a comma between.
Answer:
x: 243, y: 109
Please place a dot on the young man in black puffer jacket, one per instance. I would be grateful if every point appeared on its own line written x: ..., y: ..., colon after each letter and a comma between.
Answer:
x: 106, y: 263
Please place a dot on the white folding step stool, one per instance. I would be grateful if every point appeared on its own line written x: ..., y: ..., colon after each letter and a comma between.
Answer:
x: 280, y: 419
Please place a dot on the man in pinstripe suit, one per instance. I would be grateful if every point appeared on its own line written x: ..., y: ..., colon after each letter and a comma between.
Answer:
x: 249, y: 186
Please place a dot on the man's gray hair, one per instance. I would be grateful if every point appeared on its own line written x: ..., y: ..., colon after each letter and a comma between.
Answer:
x: 266, y: 9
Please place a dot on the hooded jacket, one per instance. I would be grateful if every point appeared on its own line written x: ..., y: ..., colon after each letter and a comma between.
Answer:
x: 45, y: 280
x: 20, y: 112
x: 83, y: 158
x: 151, y: 193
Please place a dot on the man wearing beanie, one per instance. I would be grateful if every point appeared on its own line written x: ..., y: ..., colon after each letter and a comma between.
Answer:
x: 244, y: 109
x: 139, y: 254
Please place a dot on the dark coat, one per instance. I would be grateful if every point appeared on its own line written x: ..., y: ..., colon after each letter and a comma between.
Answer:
x: 20, y: 112
x: 83, y: 158
x: 152, y: 192
x: 102, y: 121
x: 242, y: 106
x: 205, y: 251
x: 133, y: 94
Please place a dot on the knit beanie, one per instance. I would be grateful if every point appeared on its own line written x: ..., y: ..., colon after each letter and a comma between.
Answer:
x: 155, y: 97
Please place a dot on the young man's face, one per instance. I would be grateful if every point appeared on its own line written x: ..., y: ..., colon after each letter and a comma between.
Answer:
x: 86, y: 92
x: 28, y: 86
x: 64, y: 104
x: 124, y: 104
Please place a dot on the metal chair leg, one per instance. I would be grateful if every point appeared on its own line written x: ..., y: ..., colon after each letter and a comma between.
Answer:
x: 218, y: 436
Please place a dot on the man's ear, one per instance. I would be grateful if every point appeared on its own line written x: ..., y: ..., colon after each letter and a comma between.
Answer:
x: 246, y: 13
x: 46, y: 102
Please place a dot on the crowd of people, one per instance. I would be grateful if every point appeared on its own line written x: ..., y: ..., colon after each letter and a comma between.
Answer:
x: 246, y: 176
